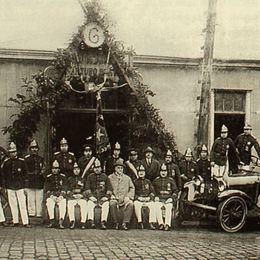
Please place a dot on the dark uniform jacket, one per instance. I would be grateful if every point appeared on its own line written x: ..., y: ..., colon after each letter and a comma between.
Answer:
x: 108, y: 165
x: 14, y: 172
x: 165, y: 188
x: 56, y: 183
x: 66, y: 162
x: 34, y: 176
x: 188, y: 169
x: 75, y: 185
x: 144, y: 188
x: 128, y: 169
x: 244, y: 144
x: 98, y: 186
x: 204, y: 168
x: 83, y: 162
x: 174, y: 172
x: 223, y: 149
x: 151, y: 171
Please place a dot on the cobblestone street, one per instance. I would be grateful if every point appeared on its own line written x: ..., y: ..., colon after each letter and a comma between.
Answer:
x: 43, y: 243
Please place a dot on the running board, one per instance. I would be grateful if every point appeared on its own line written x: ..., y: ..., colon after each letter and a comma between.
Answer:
x: 202, y: 206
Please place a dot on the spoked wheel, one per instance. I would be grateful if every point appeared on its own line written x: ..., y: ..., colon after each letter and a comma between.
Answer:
x: 231, y: 214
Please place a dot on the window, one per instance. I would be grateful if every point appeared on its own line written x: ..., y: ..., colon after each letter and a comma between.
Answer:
x: 227, y: 101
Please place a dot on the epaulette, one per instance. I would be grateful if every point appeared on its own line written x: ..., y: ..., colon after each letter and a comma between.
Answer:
x: 56, y: 153
x: 21, y: 159
x: 63, y: 175
x: 254, y: 137
x: 198, y: 160
x: 4, y: 162
x: 49, y: 175
x: 27, y: 155
x: 218, y: 138
x: 71, y: 153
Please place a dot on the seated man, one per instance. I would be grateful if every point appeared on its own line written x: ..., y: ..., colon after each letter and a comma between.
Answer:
x: 166, y: 195
x: 98, y: 190
x: 144, y: 196
x: 75, y: 196
x: 56, y: 192
x: 123, y: 195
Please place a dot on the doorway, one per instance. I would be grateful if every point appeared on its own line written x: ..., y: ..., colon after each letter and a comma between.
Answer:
x: 234, y: 123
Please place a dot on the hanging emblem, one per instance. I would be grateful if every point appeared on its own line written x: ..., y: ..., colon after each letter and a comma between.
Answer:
x: 94, y: 35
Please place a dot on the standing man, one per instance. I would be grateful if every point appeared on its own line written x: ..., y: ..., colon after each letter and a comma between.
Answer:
x: 151, y: 165
x: 99, y: 191
x: 223, y: 156
x: 34, y: 180
x: 86, y: 161
x: 76, y: 196
x: 132, y: 163
x: 65, y: 158
x: 144, y: 196
x: 244, y: 144
x: 14, y: 172
x: 123, y: 195
x: 56, y: 194
x: 188, y: 167
x: 109, y: 163
x: 203, y: 164
x: 166, y: 194
x: 172, y: 169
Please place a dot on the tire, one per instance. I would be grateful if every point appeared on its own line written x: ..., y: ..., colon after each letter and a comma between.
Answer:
x: 232, y: 213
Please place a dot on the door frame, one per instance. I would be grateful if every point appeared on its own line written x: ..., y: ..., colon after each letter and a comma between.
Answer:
x: 212, y: 110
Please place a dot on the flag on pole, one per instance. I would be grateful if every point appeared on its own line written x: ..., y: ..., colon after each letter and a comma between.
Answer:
x: 101, y: 137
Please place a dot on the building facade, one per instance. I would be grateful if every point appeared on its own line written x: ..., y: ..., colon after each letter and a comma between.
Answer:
x: 176, y: 82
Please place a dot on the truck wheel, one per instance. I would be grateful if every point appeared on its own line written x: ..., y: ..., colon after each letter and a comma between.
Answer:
x: 232, y: 213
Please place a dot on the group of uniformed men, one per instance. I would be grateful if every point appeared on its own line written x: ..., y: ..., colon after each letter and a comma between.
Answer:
x: 116, y: 187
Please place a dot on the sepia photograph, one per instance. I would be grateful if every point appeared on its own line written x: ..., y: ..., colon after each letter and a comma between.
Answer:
x: 129, y: 129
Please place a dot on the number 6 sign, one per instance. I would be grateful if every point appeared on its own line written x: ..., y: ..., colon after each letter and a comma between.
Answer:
x: 94, y: 35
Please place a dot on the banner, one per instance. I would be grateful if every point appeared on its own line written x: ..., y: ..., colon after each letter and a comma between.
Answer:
x: 101, y: 137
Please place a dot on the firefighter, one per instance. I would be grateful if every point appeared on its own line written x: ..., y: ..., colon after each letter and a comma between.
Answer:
x: 86, y: 161
x: 132, y: 163
x: 244, y: 144
x: 65, y: 158
x: 14, y: 172
x: 188, y: 167
x: 223, y: 155
x: 109, y: 163
x: 166, y: 194
x: 172, y: 168
x: 144, y: 196
x: 76, y: 196
x: 99, y: 191
x: 56, y: 194
x: 34, y: 180
x: 203, y: 164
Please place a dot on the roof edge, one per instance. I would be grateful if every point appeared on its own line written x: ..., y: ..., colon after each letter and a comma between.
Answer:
x: 139, y: 60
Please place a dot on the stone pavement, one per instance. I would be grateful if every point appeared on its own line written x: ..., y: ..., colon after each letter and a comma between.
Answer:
x: 186, y: 243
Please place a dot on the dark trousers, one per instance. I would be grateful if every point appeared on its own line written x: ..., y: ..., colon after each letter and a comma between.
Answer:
x: 125, y: 211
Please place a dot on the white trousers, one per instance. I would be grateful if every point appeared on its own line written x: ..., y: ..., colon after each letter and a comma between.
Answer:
x: 2, y: 216
x: 104, y: 210
x: 220, y: 171
x: 159, y: 213
x: 15, y: 198
x: 34, y: 201
x: 51, y: 202
x: 83, y: 209
x: 138, y: 210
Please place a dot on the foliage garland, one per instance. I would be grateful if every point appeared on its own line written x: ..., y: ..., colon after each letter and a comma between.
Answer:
x: 39, y: 90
